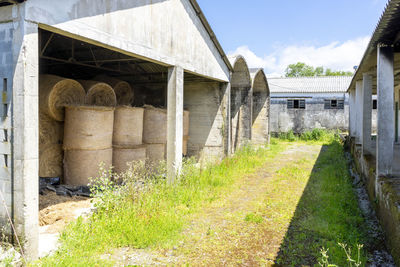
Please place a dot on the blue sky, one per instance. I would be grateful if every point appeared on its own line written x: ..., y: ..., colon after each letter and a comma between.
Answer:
x: 272, y: 33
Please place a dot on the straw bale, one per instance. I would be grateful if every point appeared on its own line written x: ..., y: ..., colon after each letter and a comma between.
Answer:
x: 56, y: 92
x: 88, y: 127
x: 80, y: 165
x: 128, y: 126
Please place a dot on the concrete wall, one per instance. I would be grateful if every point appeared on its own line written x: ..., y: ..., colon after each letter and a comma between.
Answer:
x: 313, y: 116
x: 19, y: 173
x: 261, y: 110
x: 165, y: 31
x: 205, y: 102
x: 6, y: 72
x: 241, y: 103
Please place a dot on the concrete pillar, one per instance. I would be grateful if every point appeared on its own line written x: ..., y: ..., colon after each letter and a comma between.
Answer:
x: 352, y: 113
x: 175, y: 123
x: 226, y: 99
x: 366, y: 108
x: 25, y: 133
x: 358, y: 111
x: 385, y: 135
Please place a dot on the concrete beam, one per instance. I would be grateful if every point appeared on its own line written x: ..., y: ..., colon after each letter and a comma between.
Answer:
x: 385, y: 138
x: 25, y: 101
x: 175, y: 122
x: 366, y: 108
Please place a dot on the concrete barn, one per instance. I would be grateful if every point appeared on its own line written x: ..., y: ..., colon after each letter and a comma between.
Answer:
x: 164, y: 48
x: 304, y: 103
x: 377, y: 157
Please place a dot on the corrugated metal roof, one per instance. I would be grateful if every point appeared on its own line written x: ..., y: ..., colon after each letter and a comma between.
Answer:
x: 330, y: 84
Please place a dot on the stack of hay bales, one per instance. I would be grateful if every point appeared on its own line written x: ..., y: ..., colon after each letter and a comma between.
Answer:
x: 123, y: 91
x: 54, y: 94
x: 88, y: 135
x: 155, y: 132
x: 127, y: 137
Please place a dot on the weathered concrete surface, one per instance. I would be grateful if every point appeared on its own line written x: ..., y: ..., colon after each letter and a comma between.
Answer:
x: 25, y: 134
x: 313, y: 116
x: 386, y: 131
x: 174, y: 123
x: 261, y: 109
x: 352, y: 113
x: 358, y: 111
x: 206, y: 104
x: 366, y: 111
x: 168, y: 32
x: 241, y: 103
x: 384, y: 193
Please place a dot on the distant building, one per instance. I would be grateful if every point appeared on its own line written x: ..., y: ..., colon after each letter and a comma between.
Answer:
x: 305, y: 103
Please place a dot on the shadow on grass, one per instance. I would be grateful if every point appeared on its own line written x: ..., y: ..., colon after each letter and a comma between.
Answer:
x: 327, y: 213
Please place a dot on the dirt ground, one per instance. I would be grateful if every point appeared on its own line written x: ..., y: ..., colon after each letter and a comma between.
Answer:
x: 56, y: 212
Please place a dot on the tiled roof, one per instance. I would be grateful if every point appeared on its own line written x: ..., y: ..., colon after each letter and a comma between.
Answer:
x: 331, y: 84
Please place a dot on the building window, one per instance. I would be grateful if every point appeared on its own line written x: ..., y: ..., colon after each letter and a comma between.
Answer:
x: 374, y: 104
x: 334, y: 104
x: 296, y: 104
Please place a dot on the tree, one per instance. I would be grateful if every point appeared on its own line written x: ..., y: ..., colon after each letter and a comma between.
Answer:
x: 301, y: 69
x: 329, y: 72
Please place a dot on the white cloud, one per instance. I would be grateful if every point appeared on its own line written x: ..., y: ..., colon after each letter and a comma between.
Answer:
x: 337, y: 56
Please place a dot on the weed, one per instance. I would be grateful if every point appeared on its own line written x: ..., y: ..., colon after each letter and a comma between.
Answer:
x: 144, y: 211
x: 254, y: 218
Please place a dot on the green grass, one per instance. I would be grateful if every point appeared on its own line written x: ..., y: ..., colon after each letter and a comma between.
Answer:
x: 155, y: 217
x: 319, y: 135
x: 326, y: 214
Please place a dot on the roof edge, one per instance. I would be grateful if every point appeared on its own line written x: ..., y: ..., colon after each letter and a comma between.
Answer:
x: 213, y: 37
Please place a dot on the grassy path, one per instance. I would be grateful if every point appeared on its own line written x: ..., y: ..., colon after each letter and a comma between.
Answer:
x: 284, y: 213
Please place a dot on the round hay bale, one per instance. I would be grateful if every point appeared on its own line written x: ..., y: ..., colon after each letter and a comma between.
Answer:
x: 185, y: 123
x: 99, y: 94
x: 88, y: 127
x: 80, y: 165
x: 50, y: 130
x: 154, y: 125
x: 50, y: 160
x: 156, y: 152
x: 128, y: 126
x: 122, y: 89
x: 185, y: 145
x: 123, y: 155
x: 56, y: 92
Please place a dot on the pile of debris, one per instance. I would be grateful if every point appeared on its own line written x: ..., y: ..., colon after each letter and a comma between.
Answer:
x: 54, y: 185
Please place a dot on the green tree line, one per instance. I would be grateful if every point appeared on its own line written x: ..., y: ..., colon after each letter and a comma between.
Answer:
x: 301, y: 69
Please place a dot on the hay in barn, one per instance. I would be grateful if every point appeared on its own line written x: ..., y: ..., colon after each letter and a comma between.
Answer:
x: 156, y: 152
x: 122, y: 89
x: 50, y: 130
x: 128, y: 126
x: 185, y: 145
x: 80, y: 165
x: 50, y: 160
x: 123, y: 155
x: 154, y: 125
x: 56, y: 92
x: 99, y: 94
x: 186, y: 123
x: 88, y: 127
